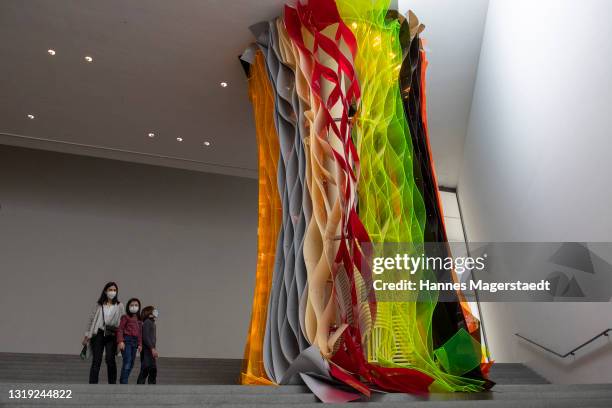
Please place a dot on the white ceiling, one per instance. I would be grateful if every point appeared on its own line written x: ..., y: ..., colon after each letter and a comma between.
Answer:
x: 157, y: 66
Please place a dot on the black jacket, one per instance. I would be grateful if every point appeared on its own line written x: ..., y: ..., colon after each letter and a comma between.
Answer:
x: 149, y: 336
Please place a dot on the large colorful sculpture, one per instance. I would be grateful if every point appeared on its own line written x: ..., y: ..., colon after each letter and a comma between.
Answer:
x: 338, y: 93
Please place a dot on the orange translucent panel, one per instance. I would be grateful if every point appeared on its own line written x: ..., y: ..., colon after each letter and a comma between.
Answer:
x: 270, y: 214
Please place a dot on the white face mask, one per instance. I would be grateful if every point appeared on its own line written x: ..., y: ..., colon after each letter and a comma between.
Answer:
x: 155, y: 313
x: 111, y: 294
x: 134, y: 309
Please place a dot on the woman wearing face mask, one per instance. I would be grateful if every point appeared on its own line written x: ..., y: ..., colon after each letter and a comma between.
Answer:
x: 129, y: 337
x: 101, y: 332
x: 149, y: 355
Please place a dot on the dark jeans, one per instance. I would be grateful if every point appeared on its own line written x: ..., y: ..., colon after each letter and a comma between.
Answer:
x: 99, y: 344
x: 148, y: 367
x: 129, y: 355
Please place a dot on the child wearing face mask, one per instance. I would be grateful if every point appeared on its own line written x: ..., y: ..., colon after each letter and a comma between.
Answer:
x: 129, y: 338
x: 100, y: 336
x: 149, y: 355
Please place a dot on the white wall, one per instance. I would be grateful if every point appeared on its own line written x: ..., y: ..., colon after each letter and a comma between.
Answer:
x: 181, y: 240
x: 537, y: 164
x: 452, y: 216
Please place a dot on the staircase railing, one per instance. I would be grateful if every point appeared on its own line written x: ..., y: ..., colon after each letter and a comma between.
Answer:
x: 572, y: 352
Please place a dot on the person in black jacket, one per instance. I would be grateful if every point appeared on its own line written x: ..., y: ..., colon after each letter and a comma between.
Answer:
x: 149, y: 355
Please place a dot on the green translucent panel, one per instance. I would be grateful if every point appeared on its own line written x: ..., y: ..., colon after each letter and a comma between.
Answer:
x: 460, y: 354
x: 390, y: 203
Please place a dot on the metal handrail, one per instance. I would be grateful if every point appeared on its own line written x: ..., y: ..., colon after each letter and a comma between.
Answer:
x: 571, y: 352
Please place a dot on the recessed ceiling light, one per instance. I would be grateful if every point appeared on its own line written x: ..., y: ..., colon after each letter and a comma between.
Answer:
x: 223, y: 84
x: 30, y: 116
x: 51, y: 52
x: 179, y: 139
x: 207, y: 143
x: 151, y: 134
x: 88, y: 58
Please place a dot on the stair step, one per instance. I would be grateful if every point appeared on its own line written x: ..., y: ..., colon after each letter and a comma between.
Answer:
x: 92, y: 396
x: 162, y: 389
x: 172, y: 370
x: 255, y: 389
x: 182, y: 383
x: 538, y: 403
x: 497, y: 396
